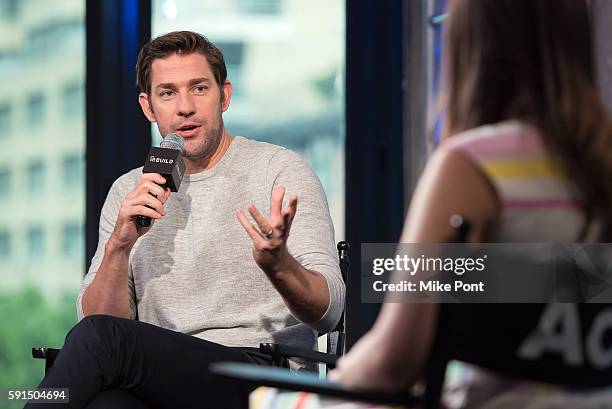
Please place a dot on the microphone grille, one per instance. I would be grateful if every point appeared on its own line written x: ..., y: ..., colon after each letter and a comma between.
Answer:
x: 173, y: 141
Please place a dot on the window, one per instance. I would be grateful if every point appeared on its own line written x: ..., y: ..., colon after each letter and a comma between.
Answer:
x: 54, y: 38
x: 36, y: 111
x: 72, y: 172
x: 73, y: 101
x: 43, y: 49
x: 9, y: 9
x: 5, y: 245
x: 72, y: 240
x: 288, y: 75
x: 35, y: 183
x: 233, y: 55
x: 259, y: 6
x: 36, y: 243
x: 5, y: 120
x: 5, y: 182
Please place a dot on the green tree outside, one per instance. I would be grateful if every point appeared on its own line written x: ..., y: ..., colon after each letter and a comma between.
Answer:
x: 29, y: 319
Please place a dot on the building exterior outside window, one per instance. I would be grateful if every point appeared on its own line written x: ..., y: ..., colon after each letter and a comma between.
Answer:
x: 5, y: 245
x: 42, y: 130
x: 36, y: 243
x: 285, y: 59
x: 35, y: 174
x: 5, y: 182
x: 36, y: 111
x: 72, y: 171
x: 72, y: 240
x: 5, y: 120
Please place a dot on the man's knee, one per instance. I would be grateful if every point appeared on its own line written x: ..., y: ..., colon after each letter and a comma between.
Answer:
x: 96, y: 328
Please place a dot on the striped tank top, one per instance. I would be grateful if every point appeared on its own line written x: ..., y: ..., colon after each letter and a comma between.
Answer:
x: 538, y: 202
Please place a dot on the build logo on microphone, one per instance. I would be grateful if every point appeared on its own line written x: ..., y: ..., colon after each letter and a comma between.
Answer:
x: 161, y: 160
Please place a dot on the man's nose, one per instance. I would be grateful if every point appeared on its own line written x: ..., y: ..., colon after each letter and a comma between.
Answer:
x: 186, y: 106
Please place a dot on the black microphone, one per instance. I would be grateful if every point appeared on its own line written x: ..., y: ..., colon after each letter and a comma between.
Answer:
x: 167, y: 160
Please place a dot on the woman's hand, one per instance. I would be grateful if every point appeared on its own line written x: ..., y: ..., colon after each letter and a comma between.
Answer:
x: 366, y: 367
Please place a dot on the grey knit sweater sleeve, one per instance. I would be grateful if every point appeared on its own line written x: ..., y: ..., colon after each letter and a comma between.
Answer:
x: 311, y: 239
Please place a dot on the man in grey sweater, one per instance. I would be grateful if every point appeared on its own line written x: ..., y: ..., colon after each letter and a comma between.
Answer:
x: 205, y: 281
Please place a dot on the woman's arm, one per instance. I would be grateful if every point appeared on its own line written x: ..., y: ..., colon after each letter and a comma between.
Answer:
x: 392, y: 354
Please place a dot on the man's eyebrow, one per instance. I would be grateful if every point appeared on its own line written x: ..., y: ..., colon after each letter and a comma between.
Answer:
x: 199, y: 81
x: 170, y: 85
x: 191, y: 82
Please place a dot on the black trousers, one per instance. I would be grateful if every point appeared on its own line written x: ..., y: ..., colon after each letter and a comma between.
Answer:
x: 116, y: 363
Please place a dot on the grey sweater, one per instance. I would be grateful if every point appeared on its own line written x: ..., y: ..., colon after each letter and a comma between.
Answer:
x: 194, y: 271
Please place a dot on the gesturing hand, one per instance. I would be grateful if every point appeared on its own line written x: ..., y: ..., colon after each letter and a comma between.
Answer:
x: 270, y: 236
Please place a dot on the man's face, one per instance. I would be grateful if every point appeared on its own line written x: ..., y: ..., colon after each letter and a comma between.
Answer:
x: 186, y: 99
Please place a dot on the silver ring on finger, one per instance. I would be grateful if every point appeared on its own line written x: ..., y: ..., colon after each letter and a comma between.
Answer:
x: 268, y: 234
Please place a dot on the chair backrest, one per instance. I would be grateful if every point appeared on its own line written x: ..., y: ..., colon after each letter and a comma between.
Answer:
x: 565, y: 344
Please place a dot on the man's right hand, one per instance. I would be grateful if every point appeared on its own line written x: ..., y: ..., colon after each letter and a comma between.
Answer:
x: 147, y: 199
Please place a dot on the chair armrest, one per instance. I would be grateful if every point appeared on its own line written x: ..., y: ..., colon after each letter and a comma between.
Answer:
x: 288, y: 351
x: 44, y: 353
x: 48, y: 354
x: 283, y: 379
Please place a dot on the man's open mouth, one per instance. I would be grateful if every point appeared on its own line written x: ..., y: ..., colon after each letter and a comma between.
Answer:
x: 188, y: 131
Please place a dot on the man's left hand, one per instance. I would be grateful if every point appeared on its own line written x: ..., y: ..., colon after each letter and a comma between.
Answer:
x: 271, y: 235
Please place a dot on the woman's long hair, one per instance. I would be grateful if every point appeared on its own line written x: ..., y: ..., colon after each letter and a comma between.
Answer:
x: 532, y: 60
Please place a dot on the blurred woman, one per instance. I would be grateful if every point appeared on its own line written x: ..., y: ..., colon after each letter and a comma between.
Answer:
x: 526, y: 156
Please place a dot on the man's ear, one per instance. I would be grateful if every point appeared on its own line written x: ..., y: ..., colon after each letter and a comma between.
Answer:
x: 226, y: 93
x: 143, y: 100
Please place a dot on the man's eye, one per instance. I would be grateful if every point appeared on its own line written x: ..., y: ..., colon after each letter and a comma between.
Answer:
x: 165, y: 93
x: 200, y: 88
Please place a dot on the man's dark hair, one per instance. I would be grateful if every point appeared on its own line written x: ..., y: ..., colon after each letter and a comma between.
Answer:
x: 182, y: 43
